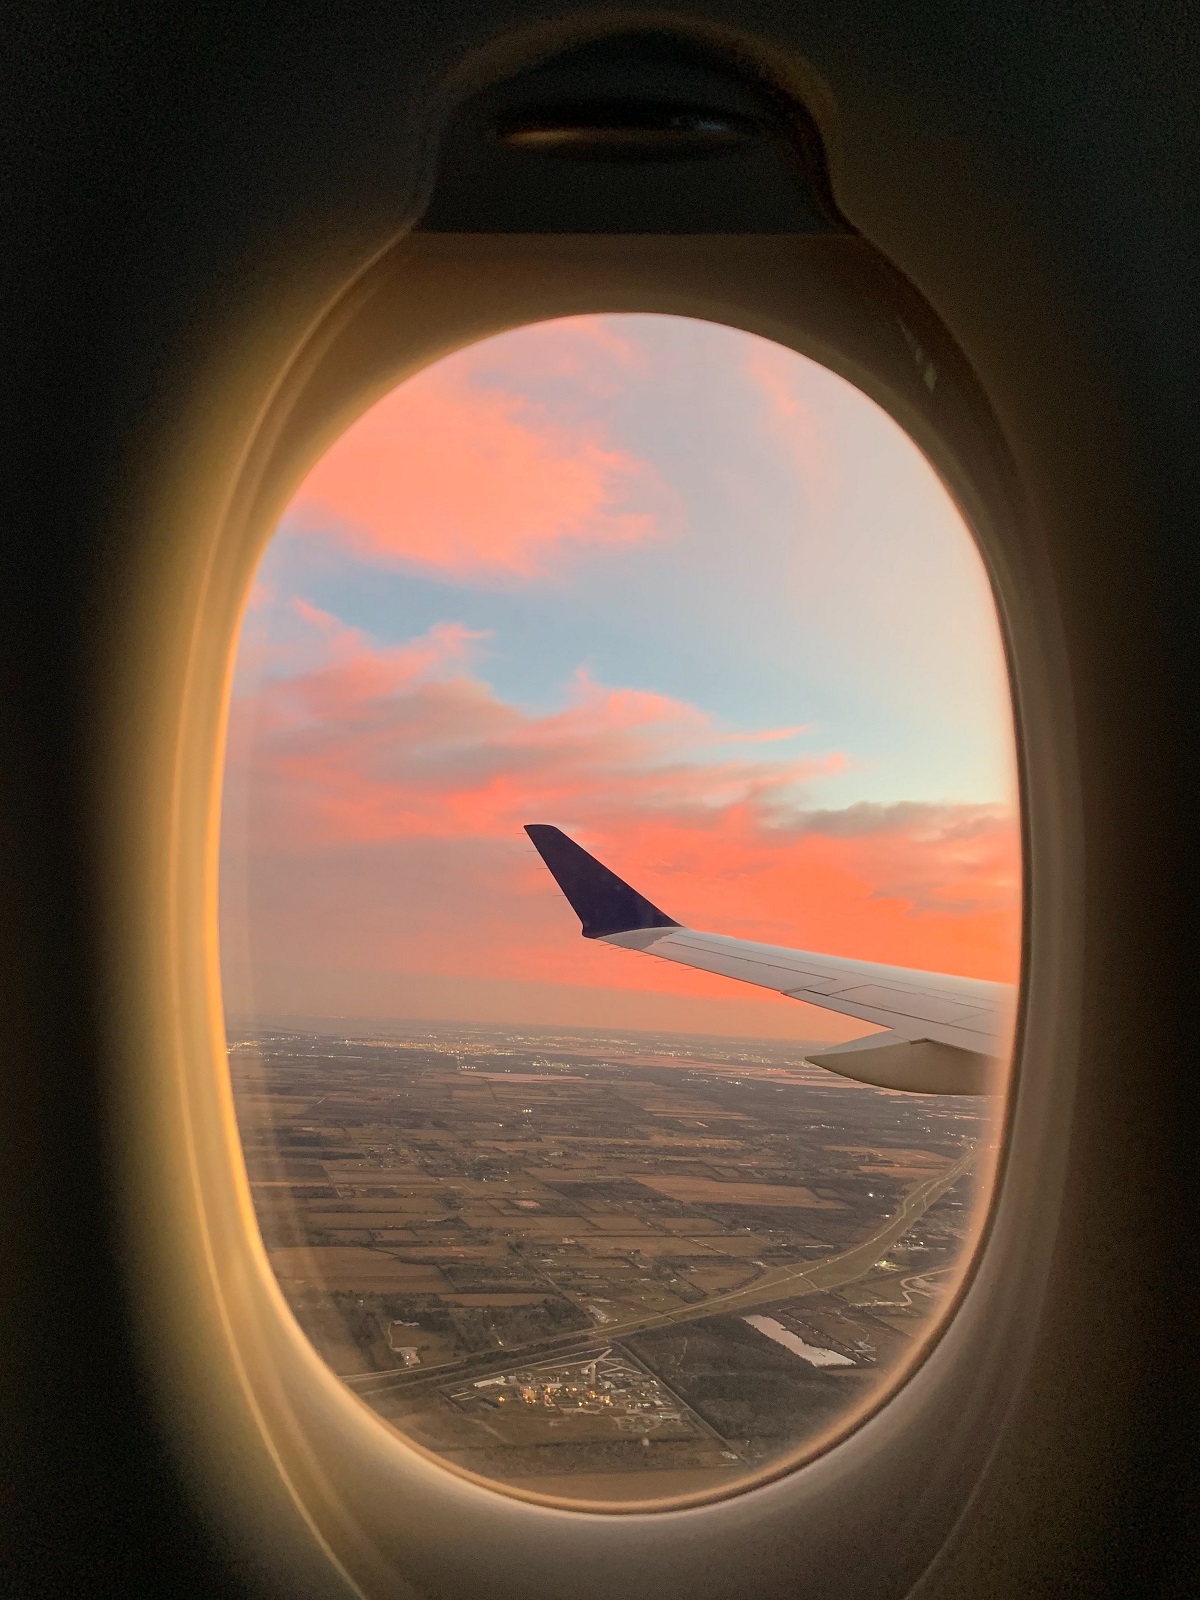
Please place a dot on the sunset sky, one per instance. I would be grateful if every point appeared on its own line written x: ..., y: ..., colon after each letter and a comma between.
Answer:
x: 671, y: 587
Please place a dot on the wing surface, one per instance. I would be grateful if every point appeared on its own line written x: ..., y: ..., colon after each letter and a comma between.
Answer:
x: 944, y: 1035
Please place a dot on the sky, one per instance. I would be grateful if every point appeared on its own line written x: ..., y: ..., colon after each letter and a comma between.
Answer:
x: 678, y: 590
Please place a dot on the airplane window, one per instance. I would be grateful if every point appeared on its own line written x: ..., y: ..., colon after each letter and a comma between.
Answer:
x: 620, y: 907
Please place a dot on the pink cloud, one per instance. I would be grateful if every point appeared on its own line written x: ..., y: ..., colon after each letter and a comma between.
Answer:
x: 773, y: 371
x: 596, y: 356
x: 769, y: 735
x: 461, y: 472
x: 383, y: 796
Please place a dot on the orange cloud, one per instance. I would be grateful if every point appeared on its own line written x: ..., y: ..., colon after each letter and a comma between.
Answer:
x: 459, y: 472
x: 383, y: 793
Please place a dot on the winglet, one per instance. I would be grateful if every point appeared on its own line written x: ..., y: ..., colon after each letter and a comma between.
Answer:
x: 604, y: 903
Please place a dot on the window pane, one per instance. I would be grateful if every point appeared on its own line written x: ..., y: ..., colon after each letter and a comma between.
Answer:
x: 580, y: 1221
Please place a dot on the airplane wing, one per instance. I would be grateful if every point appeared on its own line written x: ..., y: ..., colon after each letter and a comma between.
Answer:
x: 944, y: 1035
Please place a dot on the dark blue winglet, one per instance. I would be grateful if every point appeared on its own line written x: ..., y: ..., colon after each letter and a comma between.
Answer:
x: 603, y: 902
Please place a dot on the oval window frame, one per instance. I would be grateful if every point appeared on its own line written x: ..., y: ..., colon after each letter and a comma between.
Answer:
x: 301, y: 1415
x: 434, y: 253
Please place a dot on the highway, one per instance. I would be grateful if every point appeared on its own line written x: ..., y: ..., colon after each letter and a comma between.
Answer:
x: 782, y: 1283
